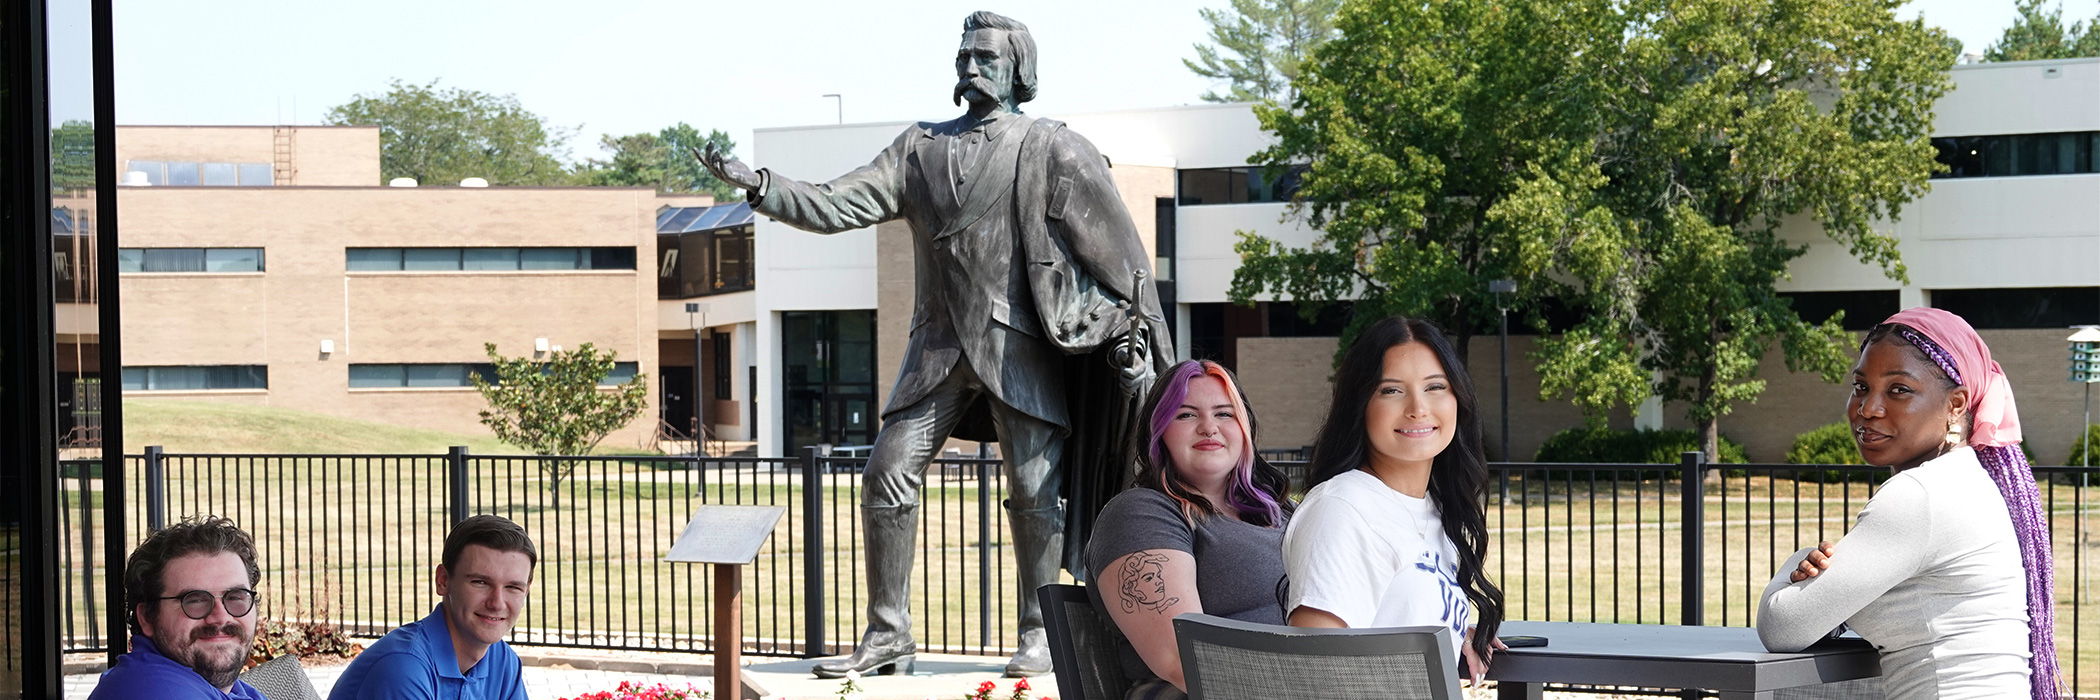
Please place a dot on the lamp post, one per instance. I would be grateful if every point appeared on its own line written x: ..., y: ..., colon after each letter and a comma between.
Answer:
x: 700, y: 309
x: 841, y: 104
x: 1501, y: 288
x: 2085, y: 369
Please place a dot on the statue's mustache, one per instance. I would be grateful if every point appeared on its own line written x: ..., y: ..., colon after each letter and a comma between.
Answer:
x: 982, y: 86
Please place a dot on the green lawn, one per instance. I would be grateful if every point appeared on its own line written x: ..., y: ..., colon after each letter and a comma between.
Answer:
x: 225, y: 428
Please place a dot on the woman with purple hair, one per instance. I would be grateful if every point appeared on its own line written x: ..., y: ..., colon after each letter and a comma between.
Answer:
x: 1947, y: 570
x: 1199, y: 530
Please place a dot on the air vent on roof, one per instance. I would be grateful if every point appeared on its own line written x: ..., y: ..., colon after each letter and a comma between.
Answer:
x: 474, y: 182
x: 401, y: 182
x: 135, y: 178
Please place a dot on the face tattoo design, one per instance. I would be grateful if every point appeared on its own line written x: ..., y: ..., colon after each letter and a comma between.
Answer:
x: 1145, y: 583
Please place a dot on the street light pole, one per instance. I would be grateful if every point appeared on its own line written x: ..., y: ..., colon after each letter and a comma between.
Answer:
x: 692, y: 308
x: 842, y: 105
x: 2085, y: 369
x: 1500, y: 288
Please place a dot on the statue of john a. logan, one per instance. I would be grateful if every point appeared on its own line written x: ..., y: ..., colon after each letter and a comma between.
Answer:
x: 1029, y: 325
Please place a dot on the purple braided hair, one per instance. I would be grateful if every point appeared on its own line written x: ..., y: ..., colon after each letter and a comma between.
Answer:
x: 2008, y: 468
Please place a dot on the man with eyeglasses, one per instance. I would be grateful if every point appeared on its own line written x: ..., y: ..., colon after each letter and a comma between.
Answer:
x: 191, y: 593
x: 457, y: 651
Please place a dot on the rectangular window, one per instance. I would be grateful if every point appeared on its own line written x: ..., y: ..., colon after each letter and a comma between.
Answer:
x: 547, y: 259
x: 220, y: 175
x: 2034, y: 307
x: 156, y: 171
x: 184, y: 174
x: 256, y: 175
x: 722, y: 366
x: 1862, y: 308
x: 430, y: 259
x: 440, y: 375
x: 489, y: 259
x: 372, y: 259
x: 189, y: 260
x: 2064, y: 153
x: 206, y: 378
x: 485, y: 259
x: 1239, y: 185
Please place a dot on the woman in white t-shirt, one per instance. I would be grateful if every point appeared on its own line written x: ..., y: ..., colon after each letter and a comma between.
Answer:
x: 1393, y: 532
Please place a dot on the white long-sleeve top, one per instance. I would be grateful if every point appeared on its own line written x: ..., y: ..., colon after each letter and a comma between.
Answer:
x: 1931, y: 575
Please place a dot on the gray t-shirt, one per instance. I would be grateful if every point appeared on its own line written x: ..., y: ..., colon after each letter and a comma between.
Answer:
x: 1239, y: 565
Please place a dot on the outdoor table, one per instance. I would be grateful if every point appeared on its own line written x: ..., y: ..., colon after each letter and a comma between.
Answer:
x: 1729, y: 660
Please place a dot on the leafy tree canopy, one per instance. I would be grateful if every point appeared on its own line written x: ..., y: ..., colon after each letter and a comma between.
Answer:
x: 663, y: 160
x: 1632, y: 159
x: 73, y: 157
x: 1260, y: 45
x: 2040, y: 34
x: 444, y: 135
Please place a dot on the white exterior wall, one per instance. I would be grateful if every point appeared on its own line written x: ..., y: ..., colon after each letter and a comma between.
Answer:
x: 1988, y: 232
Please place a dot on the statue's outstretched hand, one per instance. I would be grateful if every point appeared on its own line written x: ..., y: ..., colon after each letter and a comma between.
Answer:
x: 728, y: 168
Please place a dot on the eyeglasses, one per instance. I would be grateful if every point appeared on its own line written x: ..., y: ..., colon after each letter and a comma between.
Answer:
x: 198, y: 604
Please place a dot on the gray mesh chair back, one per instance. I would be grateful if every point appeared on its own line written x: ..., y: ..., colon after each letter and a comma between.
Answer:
x: 1861, y: 689
x: 281, y: 678
x: 1225, y: 659
x: 1082, y: 646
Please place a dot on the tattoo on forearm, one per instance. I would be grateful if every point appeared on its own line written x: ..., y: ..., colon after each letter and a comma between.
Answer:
x: 1145, y: 583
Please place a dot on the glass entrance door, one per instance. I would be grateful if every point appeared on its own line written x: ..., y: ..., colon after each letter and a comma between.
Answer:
x: 828, y: 378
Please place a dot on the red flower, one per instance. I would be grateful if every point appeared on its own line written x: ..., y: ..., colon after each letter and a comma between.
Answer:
x: 1022, y: 685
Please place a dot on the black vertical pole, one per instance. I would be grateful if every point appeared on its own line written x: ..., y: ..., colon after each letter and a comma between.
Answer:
x: 1692, y: 576
x: 456, y: 482
x: 109, y: 320
x: 984, y: 545
x: 812, y: 555
x: 156, y: 489
x: 1505, y: 399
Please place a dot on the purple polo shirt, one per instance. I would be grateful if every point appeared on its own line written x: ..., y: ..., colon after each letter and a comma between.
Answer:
x: 146, y: 674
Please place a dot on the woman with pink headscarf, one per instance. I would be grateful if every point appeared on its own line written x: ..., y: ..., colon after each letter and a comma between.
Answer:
x: 1947, y: 571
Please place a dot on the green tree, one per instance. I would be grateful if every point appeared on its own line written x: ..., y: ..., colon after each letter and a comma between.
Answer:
x: 1449, y: 144
x: 663, y: 160
x: 1731, y: 116
x: 444, y: 135
x: 2040, y: 34
x: 557, y: 406
x: 1260, y: 46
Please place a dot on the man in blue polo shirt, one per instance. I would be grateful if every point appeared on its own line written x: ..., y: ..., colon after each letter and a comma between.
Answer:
x: 457, y: 653
x: 191, y: 593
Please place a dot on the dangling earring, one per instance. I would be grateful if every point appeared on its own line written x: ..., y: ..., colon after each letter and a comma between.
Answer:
x: 1953, y: 433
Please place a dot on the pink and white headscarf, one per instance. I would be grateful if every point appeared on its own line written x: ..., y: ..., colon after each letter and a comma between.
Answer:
x: 1960, y: 352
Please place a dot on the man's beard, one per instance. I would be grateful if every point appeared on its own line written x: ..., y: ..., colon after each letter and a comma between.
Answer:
x: 219, y: 668
x: 983, y: 87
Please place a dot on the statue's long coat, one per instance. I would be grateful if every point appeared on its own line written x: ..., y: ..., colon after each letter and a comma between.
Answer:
x: 1018, y: 268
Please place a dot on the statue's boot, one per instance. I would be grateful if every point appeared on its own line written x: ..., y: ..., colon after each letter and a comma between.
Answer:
x: 1039, y: 543
x: 887, y: 645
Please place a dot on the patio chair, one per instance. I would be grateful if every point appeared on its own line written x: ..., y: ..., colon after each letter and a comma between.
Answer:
x: 282, y: 678
x: 1229, y: 660
x: 1082, y: 645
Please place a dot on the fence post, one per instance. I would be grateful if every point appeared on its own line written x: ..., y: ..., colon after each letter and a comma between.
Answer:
x: 812, y: 556
x: 456, y: 480
x: 156, y: 490
x: 1693, y: 578
x: 984, y: 545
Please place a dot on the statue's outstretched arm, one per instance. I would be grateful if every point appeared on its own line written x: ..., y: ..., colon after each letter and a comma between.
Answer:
x: 869, y: 195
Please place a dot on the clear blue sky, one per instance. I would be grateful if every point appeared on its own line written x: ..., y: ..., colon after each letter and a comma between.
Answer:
x: 630, y: 66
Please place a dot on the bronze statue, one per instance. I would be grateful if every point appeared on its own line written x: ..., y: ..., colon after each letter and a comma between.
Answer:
x: 1030, y: 326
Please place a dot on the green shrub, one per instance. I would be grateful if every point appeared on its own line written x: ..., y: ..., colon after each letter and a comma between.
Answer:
x: 2078, y: 448
x: 1832, y: 444
x: 1608, y: 446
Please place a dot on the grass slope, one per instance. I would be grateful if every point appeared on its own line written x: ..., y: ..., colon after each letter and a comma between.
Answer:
x: 210, y: 427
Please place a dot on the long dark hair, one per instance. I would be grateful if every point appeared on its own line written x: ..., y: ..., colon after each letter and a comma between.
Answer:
x: 1258, y: 489
x: 1458, y: 476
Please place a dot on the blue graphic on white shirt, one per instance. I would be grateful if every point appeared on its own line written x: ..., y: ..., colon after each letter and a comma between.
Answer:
x: 1456, y: 607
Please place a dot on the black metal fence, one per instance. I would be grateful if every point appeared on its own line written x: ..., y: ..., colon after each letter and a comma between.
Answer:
x: 352, y: 540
